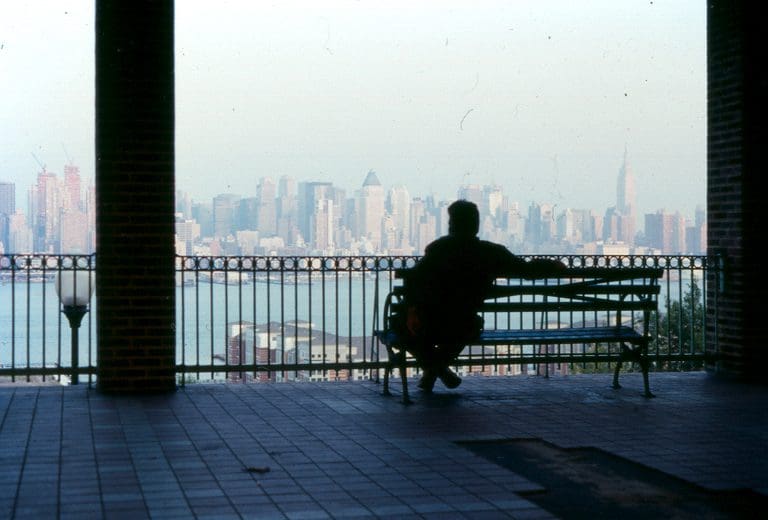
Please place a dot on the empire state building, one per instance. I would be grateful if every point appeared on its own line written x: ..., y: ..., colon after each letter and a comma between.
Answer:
x: 626, y: 200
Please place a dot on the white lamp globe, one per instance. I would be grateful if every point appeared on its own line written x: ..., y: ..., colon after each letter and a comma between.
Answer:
x: 74, y: 288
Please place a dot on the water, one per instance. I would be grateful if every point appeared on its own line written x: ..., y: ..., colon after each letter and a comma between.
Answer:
x: 33, y: 332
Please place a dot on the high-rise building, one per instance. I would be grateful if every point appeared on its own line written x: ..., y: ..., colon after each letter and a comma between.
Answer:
x: 20, y: 237
x: 399, y: 208
x: 309, y: 194
x: 323, y: 225
x: 72, y: 196
x: 371, y: 198
x: 626, y: 202
x: 7, y: 208
x: 7, y: 198
x: 247, y: 214
x: 286, y: 209
x: 224, y: 212
x: 73, y: 232
x: 666, y: 232
x: 44, y: 205
x: 267, y: 212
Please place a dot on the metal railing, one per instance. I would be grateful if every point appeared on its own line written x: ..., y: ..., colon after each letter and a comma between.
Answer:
x: 311, y: 318
x: 37, y: 341
x: 305, y: 318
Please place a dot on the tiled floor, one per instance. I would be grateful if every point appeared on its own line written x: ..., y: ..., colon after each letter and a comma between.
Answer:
x: 342, y: 450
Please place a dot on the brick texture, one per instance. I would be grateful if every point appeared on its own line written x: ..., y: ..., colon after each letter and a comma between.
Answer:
x: 735, y: 206
x: 134, y: 196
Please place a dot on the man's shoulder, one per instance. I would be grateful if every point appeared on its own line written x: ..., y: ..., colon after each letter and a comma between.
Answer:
x: 494, y: 248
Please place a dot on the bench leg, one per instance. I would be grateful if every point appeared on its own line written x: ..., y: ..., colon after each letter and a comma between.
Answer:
x: 644, y: 366
x: 624, y: 354
x: 616, y: 384
x: 387, y: 370
x: 404, y: 379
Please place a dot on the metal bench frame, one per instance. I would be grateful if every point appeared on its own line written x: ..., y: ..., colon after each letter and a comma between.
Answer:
x: 616, y: 292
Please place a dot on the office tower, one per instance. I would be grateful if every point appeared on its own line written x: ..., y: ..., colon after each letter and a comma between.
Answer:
x: 247, y: 214
x: 44, y: 208
x: 202, y: 212
x: 224, y: 208
x: 286, y: 209
x: 267, y: 212
x: 187, y: 232
x: 626, y: 203
x: 7, y: 198
x: 665, y: 231
x: 72, y: 196
x: 322, y: 222
x: 493, y: 200
x: 513, y: 223
x: 541, y: 225
x: 7, y: 208
x: 183, y: 204
x: 73, y: 232
x: 309, y: 193
x: 20, y: 237
x: 371, y: 198
x: 399, y: 208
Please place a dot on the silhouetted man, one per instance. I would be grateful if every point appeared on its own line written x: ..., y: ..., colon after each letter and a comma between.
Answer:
x: 447, y: 287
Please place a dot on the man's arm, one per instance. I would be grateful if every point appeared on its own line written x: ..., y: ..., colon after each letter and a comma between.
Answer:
x: 543, y: 267
x: 516, y: 267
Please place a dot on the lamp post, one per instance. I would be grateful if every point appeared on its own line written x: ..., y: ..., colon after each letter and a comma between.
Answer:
x: 74, y: 289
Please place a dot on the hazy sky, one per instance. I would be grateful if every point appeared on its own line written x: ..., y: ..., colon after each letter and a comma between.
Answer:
x: 540, y: 97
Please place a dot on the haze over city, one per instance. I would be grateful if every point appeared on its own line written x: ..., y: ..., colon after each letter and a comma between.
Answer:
x: 541, y: 98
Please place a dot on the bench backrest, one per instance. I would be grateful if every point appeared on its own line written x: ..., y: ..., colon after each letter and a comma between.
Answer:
x: 612, y: 290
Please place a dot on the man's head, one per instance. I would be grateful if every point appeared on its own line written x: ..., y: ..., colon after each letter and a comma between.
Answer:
x: 463, y: 218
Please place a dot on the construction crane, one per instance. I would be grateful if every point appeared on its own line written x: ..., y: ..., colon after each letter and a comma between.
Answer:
x: 38, y: 161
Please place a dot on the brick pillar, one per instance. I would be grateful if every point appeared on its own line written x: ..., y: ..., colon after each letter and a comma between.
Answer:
x: 737, y: 159
x: 135, y: 287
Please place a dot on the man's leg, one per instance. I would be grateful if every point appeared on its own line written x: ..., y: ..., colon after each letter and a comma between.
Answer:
x: 446, y: 355
x: 425, y: 354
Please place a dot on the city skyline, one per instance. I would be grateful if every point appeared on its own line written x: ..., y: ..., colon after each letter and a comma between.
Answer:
x: 537, y: 97
x: 291, y: 216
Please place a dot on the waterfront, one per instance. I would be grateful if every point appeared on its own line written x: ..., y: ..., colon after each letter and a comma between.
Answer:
x: 332, y: 307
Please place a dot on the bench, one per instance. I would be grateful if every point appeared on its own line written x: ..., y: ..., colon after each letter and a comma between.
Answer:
x: 584, y: 314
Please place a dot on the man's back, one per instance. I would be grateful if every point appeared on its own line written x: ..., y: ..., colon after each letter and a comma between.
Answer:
x: 449, y: 284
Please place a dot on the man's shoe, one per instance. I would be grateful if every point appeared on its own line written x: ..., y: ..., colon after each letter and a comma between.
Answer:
x: 449, y: 378
x: 427, y: 381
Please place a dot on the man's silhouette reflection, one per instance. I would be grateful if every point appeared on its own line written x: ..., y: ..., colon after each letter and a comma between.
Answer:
x: 448, y: 285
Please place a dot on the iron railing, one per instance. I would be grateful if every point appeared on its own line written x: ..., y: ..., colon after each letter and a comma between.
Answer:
x: 37, y: 341
x: 311, y: 318
x: 307, y: 318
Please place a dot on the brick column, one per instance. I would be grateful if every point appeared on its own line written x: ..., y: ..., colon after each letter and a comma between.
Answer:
x: 736, y: 202
x: 135, y: 287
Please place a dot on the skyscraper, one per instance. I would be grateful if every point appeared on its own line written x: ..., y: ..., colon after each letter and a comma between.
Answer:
x: 7, y: 208
x: 371, y: 198
x: 267, y: 212
x: 72, y: 197
x: 399, y: 208
x: 626, y: 202
x: 44, y: 207
x: 309, y: 194
x: 224, y: 213
x: 7, y: 198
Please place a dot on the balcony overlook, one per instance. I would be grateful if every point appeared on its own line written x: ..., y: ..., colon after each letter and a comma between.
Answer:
x: 496, y: 447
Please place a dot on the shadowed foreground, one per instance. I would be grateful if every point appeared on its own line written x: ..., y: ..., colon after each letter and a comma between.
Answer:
x: 342, y: 450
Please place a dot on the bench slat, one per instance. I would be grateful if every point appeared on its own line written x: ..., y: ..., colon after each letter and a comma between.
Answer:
x: 568, y: 289
x: 559, y: 336
x: 568, y: 306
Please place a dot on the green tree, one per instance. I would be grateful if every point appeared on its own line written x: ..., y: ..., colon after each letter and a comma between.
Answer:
x: 680, y: 330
